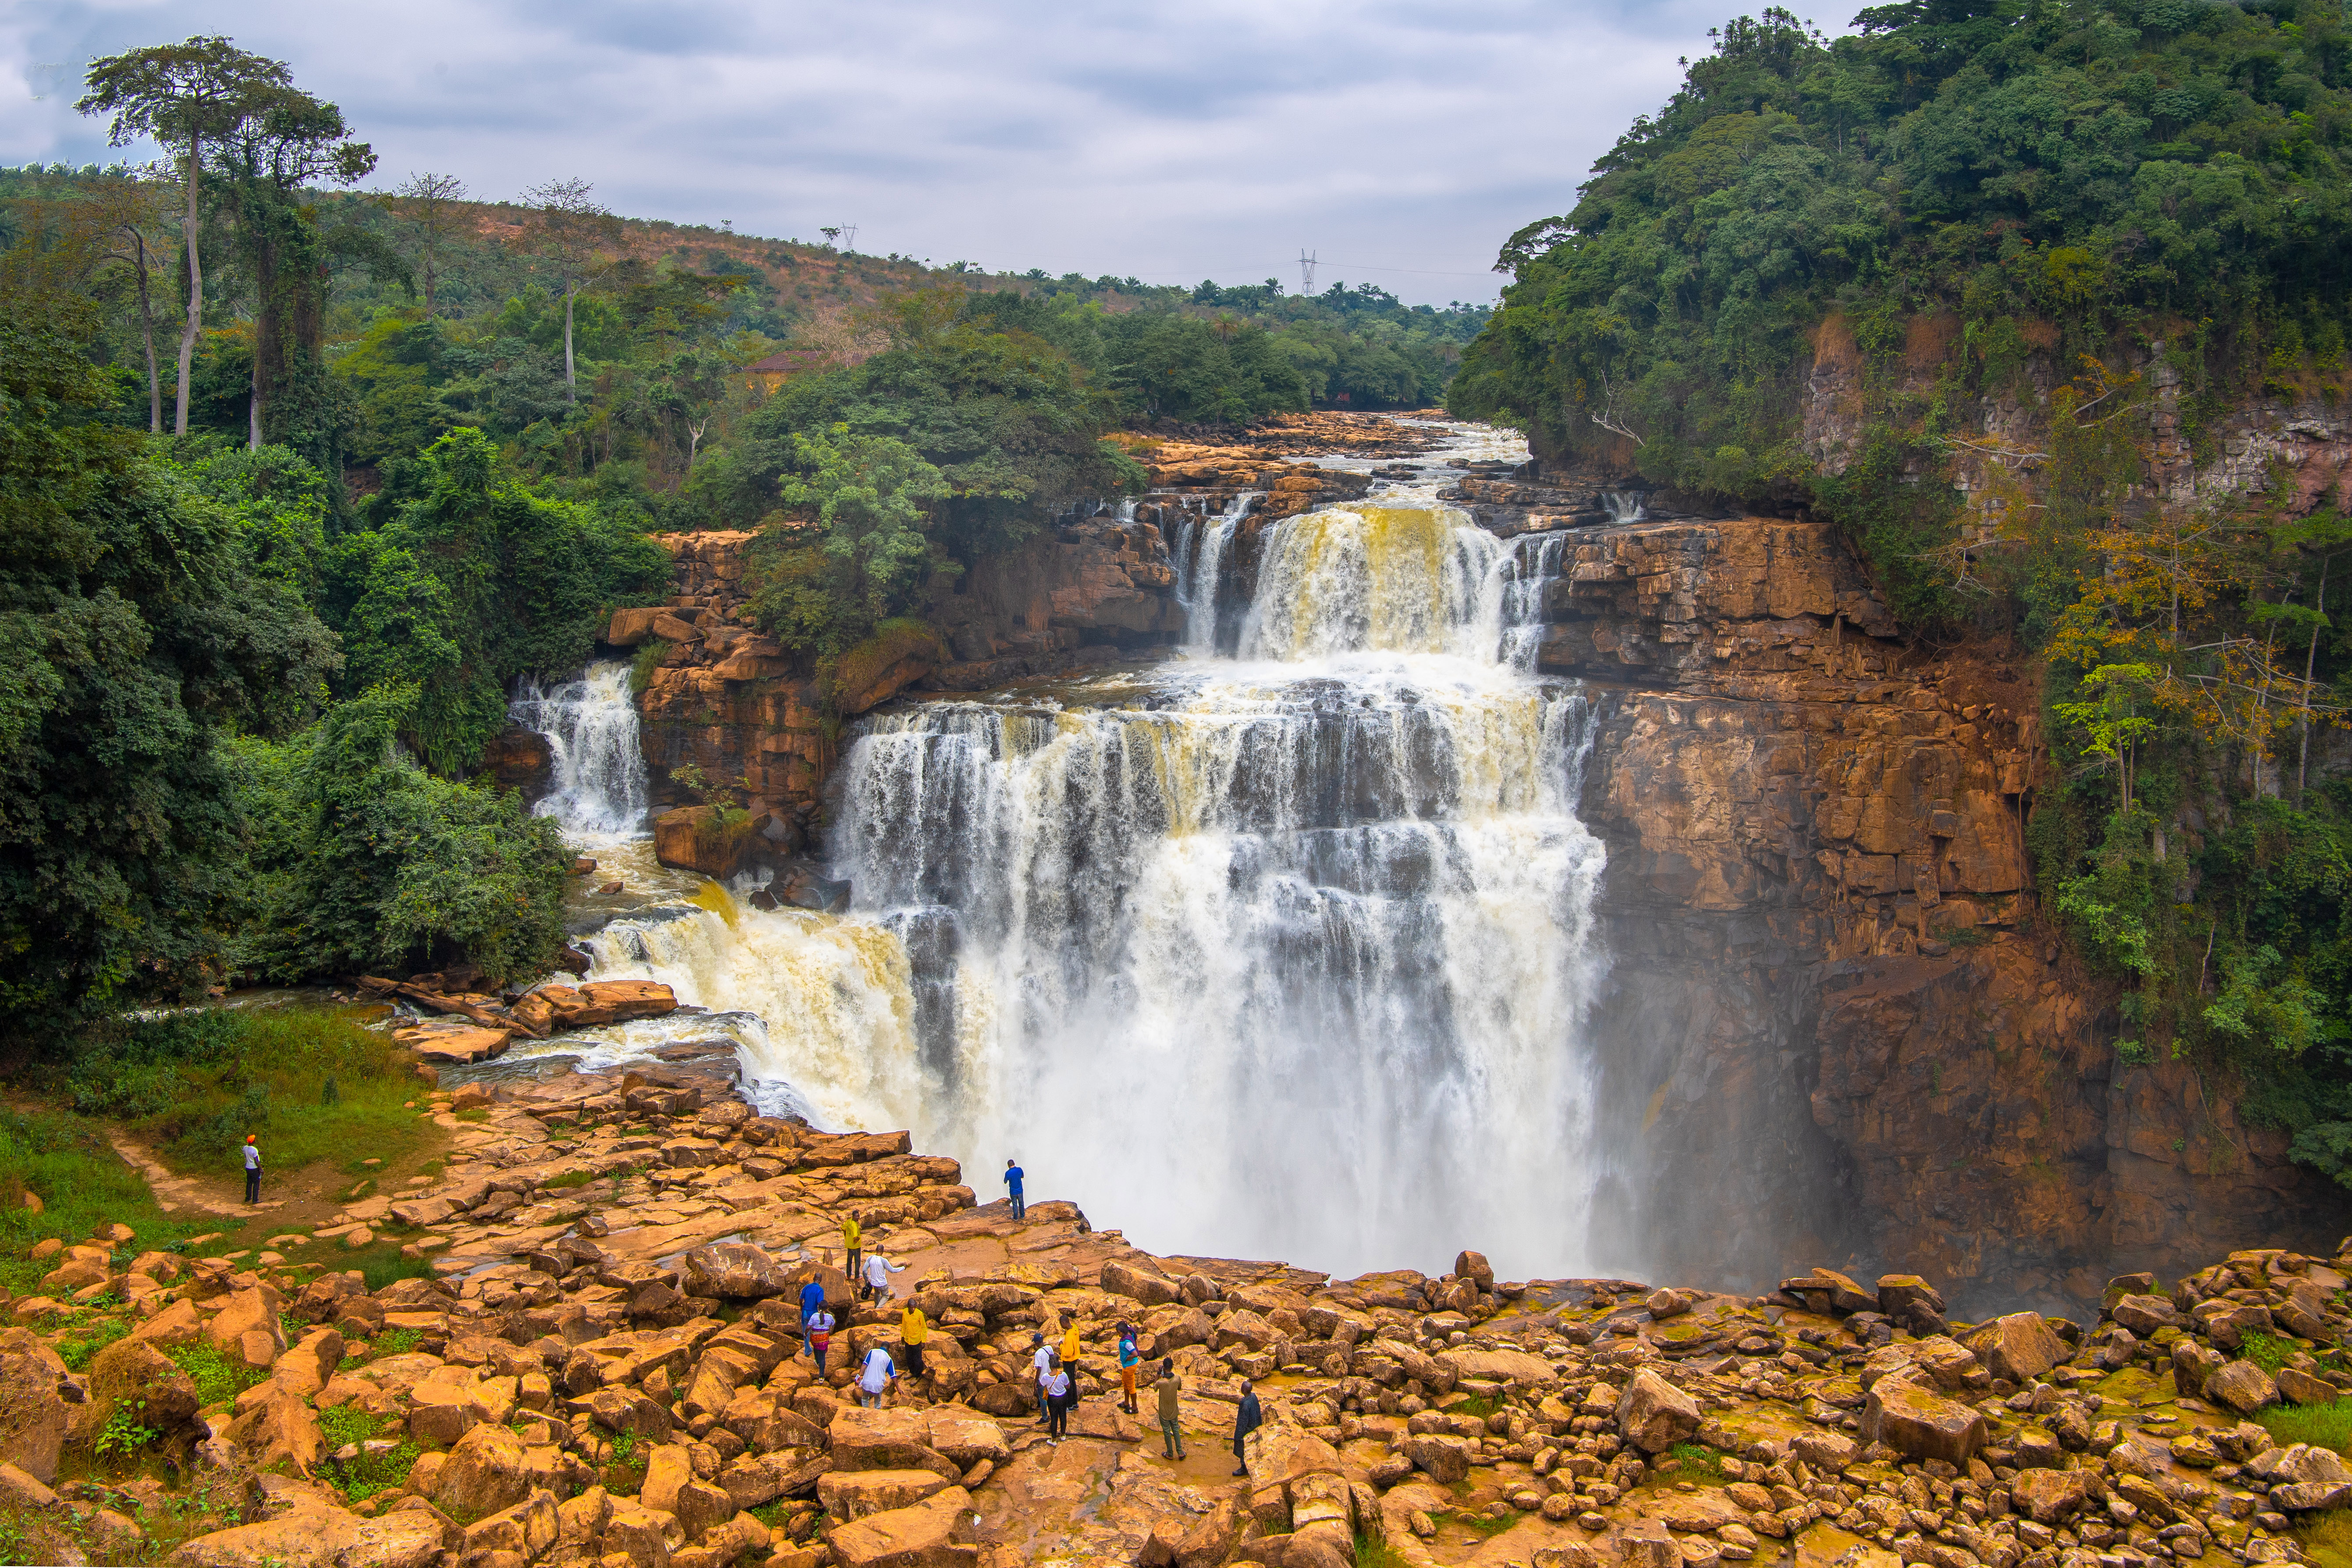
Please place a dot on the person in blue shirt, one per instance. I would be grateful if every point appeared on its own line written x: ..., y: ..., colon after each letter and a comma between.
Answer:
x: 1012, y: 1180
x: 812, y: 1298
x: 1127, y: 1360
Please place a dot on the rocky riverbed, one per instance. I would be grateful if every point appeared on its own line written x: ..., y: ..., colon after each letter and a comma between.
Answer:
x: 605, y: 1365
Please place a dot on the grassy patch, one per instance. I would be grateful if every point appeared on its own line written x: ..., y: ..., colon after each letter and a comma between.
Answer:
x: 2322, y: 1425
x: 1486, y: 1523
x: 2327, y: 1538
x: 579, y: 1177
x: 1479, y: 1404
x: 309, y: 1083
x: 397, y: 1341
x: 217, y: 1377
x: 1700, y: 1464
x: 2266, y: 1351
x: 82, y: 1183
x: 84, y: 1340
x: 367, y: 1474
x: 1373, y: 1552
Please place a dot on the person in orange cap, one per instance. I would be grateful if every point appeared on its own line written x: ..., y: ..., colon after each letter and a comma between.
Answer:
x: 252, y: 1171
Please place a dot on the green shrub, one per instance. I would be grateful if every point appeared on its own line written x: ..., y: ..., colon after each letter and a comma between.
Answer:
x: 80, y: 1346
x: 2266, y: 1350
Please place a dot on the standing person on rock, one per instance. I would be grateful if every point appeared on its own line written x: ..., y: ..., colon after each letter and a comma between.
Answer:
x: 1012, y: 1178
x: 252, y: 1170
x: 1129, y: 1358
x: 875, y: 1378
x: 1070, y: 1346
x: 820, y: 1337
x: 914, y: 1332
x: 1060, y: 1394
x: 879, y: 1270
x: 812, y: 1301
x: 850, y: 1241
x: 1247, y: 1419
x: 1041, y: 1359
x: 1171, y: 1435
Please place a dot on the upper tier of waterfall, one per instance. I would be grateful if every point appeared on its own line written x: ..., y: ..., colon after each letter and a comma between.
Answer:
x: 599, y: 786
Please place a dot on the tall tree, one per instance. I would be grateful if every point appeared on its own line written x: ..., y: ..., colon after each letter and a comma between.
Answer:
x: 186, y: 96
x: 573, y: 234
x: 266, y: 167
x: 429, y: 200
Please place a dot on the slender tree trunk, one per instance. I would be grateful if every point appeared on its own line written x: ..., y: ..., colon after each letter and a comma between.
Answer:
x: 571, y: 381
x: 147, y: 332
x: 253, y: 410
x: 195, y: 289
x: 2310, y: 656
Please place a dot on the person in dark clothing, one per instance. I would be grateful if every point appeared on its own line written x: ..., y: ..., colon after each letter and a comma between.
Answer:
x: 812, y: 1298
x: 252, y: 1171
x: 1061, y: 1392
x: 1247, y: 1419
x: 1013, y: 1179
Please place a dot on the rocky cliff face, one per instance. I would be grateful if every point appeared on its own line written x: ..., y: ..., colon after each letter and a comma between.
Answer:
x: 1832, y: 988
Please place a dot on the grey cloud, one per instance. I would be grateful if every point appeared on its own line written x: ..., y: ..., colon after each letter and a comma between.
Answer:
x: 1168, y: 142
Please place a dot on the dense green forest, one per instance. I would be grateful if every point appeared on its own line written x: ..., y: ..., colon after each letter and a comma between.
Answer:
x: 2057, y: 246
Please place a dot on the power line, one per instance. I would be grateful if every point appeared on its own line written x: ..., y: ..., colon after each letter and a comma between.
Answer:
x: 1306, y: 273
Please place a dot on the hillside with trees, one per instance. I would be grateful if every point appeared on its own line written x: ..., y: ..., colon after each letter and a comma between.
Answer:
x: 1998, y: 285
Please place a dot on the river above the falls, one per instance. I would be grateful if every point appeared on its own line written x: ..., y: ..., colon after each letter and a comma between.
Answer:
x: 1279, y: 946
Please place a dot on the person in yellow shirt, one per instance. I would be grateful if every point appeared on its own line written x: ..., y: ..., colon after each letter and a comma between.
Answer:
x: 1070, y: 1343
x: 914, y: 1332
x: 850, y: 1244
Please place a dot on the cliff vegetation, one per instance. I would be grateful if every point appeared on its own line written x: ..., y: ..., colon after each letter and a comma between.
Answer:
x: 2043, y: 302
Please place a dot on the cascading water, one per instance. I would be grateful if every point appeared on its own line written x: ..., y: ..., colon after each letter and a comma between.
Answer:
x: 591, y: 726
x: 1286, y: 953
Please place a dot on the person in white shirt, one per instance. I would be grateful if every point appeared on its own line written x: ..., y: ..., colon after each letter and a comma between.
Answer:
x: 1043, y: 1362
x: 879, y: 1270
x: 877, y: 1375
x: 252, y: 1170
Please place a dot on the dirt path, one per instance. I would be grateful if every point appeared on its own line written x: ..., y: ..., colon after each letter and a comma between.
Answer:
x: 182, y: 1195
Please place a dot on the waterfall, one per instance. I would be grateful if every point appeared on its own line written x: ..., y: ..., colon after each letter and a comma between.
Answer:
x: 1286, y: 956
x: 591, y: 723
x: 1200, y: 566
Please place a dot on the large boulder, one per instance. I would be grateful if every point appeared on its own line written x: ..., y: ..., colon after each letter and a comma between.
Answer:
x: 1443, y: 1458
x: 865, y: 1439
x: 735, y: 1270
x: 1497, y: 1365
x: 854, y: 1494
x: 2144, y: 1315
x: 277, y: 1428
x: 133, y: 1377
x: 1653, y: 1415
x: 247, y: 1328
x: 2018, y: 1347
x: 2242, y: 1386
x: 2052, y: 1497
x: 1921, y: 1424
x: 323, y: 1538
x: 485, y: 1472
x: 934, y: 1533
x: 1138, y: 1284
x: 34, y: 1408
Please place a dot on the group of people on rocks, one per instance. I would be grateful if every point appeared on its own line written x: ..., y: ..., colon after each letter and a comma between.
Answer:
x: 1055, y: 1367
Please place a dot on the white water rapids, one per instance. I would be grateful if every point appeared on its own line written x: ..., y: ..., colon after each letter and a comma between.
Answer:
x: 1283, y: 951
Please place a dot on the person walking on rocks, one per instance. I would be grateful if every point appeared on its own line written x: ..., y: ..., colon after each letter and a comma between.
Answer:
x: 820, y: 1337
x: 1060, y: 1394
x: 1171, y: 1435
x: 879, y: 1270
x: 252, y: 1170
x: 1247, y: 1419
x: 812, y: 1301
x: 877, y: 1377
x: 1042, y: 1360
x: 914, y: 1332
x: 1128, y: 1359
x: 850, y: 1235
x: 1013, y: 1174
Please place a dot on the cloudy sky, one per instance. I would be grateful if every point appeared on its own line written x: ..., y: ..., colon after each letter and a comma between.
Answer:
x: 1172, y: 141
